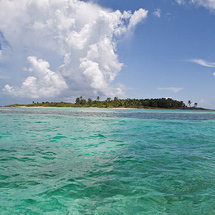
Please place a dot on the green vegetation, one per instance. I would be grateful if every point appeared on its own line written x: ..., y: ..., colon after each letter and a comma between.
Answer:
x: 161, y: 103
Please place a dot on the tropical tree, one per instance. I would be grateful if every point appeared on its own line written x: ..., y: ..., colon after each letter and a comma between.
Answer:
x: 116, y: 102
x: 89, y: 101
x: 98, y: 98
x: 195, y: 105
x: 77, y: 101
x: 83, y: 102
x: 189, y: 102
x: 108, y: 99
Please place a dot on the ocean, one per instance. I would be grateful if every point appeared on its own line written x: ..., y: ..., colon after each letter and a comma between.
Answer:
x: 106, y: 161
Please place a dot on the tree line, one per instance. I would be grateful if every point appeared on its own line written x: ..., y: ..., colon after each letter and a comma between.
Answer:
x: 165, y: 103
x: 118, y: 103
x: 131, y: 103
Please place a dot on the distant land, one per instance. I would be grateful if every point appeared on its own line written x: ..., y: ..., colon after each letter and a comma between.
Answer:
x: 160, y: 103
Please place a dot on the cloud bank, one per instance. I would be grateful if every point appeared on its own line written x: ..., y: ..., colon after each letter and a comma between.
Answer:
x: 78, y: 38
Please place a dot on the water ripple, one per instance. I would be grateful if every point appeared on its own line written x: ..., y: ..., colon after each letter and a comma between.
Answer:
x: 60, y: 161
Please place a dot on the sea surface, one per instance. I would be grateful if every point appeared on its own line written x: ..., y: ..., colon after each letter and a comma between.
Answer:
x: 106, y: 161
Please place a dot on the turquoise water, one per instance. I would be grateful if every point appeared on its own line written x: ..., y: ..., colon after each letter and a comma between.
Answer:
x: 98, y: 161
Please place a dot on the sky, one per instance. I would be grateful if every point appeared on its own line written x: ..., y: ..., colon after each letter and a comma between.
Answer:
x: 58, y: 50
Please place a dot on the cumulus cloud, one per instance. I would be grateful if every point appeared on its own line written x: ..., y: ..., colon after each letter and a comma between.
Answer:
x: 172, y: 89
x: 202, y: 62
x: 137, y: 17
x: 41, y: 83
x: 157, y: 13
x: 78, y: 39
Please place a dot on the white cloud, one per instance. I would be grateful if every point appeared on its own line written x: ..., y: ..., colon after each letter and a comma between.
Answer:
x: 137, y: 17
x: 173, y: 89
x: 209, y: 4
x: 42, y: 83
x: 157, y: 13
x: 202, y: 62
x: 180, y: 1
x: 79, y: 36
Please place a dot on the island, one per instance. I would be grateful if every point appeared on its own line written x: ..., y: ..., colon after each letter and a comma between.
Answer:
x: 80, y: 102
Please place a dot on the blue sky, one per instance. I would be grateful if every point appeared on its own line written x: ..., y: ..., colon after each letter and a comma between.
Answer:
x: 164, y: 49
x: 160, y: 51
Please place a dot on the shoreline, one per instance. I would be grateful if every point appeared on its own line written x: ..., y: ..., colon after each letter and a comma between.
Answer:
x: 111, y: 108
x: 116, y: 103
x: 23, y: 106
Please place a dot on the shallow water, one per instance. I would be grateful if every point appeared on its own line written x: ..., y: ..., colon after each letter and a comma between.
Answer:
x: 103, y: 161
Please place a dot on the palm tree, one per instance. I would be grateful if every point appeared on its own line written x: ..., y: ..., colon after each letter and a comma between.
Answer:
x: 189, y: 102
x: 77, y: 101
x: 98, y: 98
x: 195, y: 105
x: 89, y: 101
x: 115, y: 102
x: 108, y: 99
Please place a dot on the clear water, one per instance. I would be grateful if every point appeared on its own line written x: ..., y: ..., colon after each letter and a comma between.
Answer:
x: 98, y: 161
